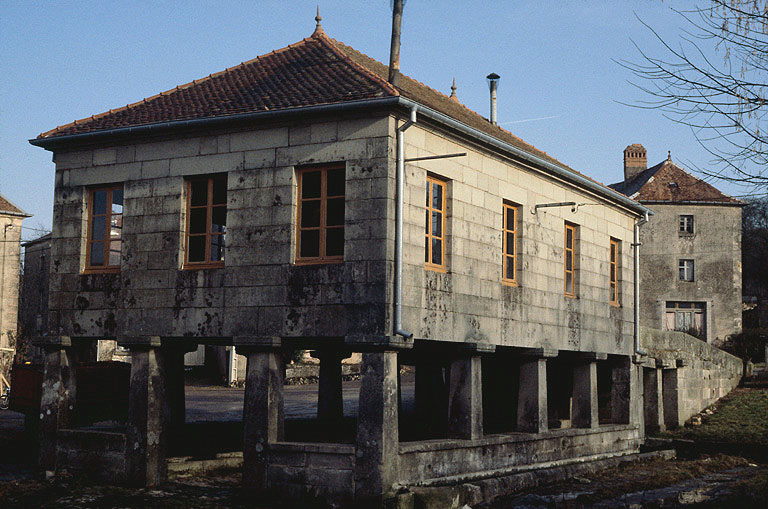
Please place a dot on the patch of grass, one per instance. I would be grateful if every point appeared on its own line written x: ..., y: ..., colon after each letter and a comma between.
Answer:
x: 741, y: 418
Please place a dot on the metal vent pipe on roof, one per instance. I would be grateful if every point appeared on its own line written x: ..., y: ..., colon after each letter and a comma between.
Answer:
x: 394, y: 50
x: 493, y: 84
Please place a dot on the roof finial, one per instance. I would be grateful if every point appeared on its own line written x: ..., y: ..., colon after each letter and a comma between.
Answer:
x: 669, y: 155
x: 453, y: 90
x: 318, y: 19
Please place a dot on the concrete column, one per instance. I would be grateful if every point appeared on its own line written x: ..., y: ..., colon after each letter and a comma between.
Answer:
x: 532, y: 399
x: 671, y: 395
x: 431, y: 399
x: 376, y: 464
x: 621, y: 390
x: 652, y: 399
x: 585, y: 410
x: 57, y: 403
x: 330, y: 404
x: 465, y: 398
x: 263, y: 413
x: 148, y: 416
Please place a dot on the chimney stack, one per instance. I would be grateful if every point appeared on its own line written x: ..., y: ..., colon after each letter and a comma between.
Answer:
x: 394, y: 50
x: 493, y: 84
x: 635, y: 161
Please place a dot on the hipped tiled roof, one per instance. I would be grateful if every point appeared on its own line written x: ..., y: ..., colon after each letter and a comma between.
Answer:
x: 667, y: 182
x: 7, y: 206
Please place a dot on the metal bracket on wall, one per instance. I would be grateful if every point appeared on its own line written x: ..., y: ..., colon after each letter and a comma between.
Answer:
x: 574, y: 206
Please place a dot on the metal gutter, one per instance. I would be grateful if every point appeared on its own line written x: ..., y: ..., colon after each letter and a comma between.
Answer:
x: 636, y: 304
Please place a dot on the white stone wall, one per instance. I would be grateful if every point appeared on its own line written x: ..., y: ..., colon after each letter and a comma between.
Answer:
x: 469, y: 302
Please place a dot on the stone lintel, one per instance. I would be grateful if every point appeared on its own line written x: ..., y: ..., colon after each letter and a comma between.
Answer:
x: 342, y: 353
x: 140, y: 342
x: 539, y: 352
x: 590, y: 356
x: 666, y: 363
x: 681, y: 363
x: 476, y: 347
x: 370, y: 343
x: 644, y: 361
x: 257, y: 343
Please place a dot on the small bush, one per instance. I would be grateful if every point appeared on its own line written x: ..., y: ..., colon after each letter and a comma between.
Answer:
x: 748, y: 345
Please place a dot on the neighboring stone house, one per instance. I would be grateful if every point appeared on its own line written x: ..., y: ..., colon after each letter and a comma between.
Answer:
x: 260, y: 207
x: 11, y: 217
x: 33, y: 314
x: 690, y: 261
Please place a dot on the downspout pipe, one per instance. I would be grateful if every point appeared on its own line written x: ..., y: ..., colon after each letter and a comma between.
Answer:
x: 636, y: 245
x: 400, y: 185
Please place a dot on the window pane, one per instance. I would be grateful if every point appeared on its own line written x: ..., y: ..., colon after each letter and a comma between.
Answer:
x: 427, y: 222
x: 437, y: 196
x: 568, y: 261
x: 568, y: 282
x: 116, y: 227
x: 98, y: 228
x: 310, y: 213
x: 219, y: 191
x: 613, y: 253
x: 613, y: 273
x: 437, y: 224
x: 310, y: 184
x: 310, y: 244
x: 97, y: 254
x: 429, y: 187
x: 196, y: 249
x: 199, y: 193
x: 569, y: 238
x: 437, y: 251
x: 682, y: 273
x: 510, y: 243
x: 99, y: 202
x: 117, y: 201
x: 218, y: 219
x: 335, y: 185
x: 217, y: 248
x: 510, y: 267
x: 197, y: 220
x: 510, y: 218
x: 335, y: 212
x: 426, y: 249
x: 114, y: 252
x: 334, y: 242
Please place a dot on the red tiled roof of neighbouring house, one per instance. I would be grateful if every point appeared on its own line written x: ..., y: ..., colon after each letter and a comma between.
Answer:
x: 7, y: 206
x: 315, y: 71
x: 667, y: 182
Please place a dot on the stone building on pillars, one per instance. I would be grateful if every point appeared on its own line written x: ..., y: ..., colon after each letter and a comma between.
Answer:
x: 259, y: 207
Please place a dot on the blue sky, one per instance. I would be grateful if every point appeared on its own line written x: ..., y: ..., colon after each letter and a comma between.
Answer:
x: 66, y: 60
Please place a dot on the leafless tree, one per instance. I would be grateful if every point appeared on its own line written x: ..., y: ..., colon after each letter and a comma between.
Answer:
x: 715, y: 80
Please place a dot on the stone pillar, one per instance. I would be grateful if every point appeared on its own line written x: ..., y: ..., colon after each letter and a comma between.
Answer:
x: 532, y: 415
x: 431, y: 398
x: 148, y: 414
x: 465, y: 398
x: 621, y: 390
x: 671, y: 397
x: 377, y: 440
x: 330, y: 404
x: 263, y: 412
x: 57, y: 403
x: 585, y: 410
x: 652, y: 399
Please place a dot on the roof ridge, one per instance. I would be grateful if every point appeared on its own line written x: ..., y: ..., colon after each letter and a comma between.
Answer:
x: 331, y: 42
x: 176, y: 88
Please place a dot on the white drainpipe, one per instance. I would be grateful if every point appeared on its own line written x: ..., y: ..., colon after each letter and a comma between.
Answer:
x: 400, y: 184
x: 636, y: 245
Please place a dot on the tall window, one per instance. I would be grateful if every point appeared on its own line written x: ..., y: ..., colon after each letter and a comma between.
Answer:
x: 686, y: 225
x: 509, y: 256
x: 321, y: 215
x: 434, y: 245
x: 615, y: 272
x: 105, y: 228
x: 206, y: 221
x: 688, y: 317
x: 685, y: 268
x: 570, y: 260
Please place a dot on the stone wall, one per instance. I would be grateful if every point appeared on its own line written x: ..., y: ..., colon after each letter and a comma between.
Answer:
x: 715, y: 248
x: 705, y: 374
x: 10, y: 279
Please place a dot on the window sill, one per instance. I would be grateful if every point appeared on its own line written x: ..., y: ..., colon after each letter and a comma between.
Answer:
x: 196, y: 266
x: 615, y: 304
x: 435, y: 268
x: 101, y: 270
x: 318, y: 261
x: 686, y: 235
x: 509, y: 282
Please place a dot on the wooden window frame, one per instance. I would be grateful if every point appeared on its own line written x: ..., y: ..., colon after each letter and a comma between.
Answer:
x: 428, y: 236
x: 505, y: 254
x: 569, y: 252
x: 209, y: 206
x: 682, y: 264
x: 107, y: 240
x: 613, y: 258
x: 684, y: 222
x: 323, y: 227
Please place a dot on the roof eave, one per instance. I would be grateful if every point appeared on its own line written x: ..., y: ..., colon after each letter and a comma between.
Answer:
x: 697, y: 202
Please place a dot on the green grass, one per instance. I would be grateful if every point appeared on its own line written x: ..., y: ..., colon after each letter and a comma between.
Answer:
x: 741, y: 418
